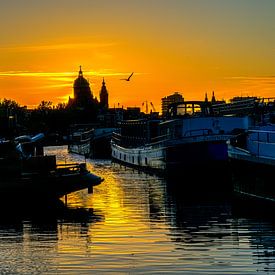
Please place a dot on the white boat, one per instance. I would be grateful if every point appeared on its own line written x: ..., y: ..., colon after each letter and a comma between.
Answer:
x: 191, y: 139
x: 252, y: 159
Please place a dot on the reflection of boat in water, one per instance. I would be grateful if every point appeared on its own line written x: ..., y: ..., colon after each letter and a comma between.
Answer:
x: 191, y: 139
x: 26, y: 171
x: 252, y: 158
x: 198, y: 220
x: 45, y: 212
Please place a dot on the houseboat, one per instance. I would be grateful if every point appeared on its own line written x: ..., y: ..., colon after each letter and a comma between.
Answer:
x: 192, y: 138
x: 252, y: 159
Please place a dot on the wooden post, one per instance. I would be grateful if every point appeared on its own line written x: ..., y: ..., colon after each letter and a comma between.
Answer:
x: 90, y: 190
x: 66, y: 200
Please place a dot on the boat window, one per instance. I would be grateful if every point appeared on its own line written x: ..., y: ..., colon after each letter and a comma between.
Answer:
x: 188, y: 109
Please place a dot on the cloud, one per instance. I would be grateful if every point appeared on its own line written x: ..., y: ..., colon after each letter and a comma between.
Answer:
x: 65, y: 46
x: 49, y: 86
x: 36, y: 74
x: 264, y: 85
x: 252, y: 78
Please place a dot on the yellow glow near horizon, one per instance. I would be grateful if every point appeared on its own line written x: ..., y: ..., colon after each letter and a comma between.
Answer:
x: 33, y: 87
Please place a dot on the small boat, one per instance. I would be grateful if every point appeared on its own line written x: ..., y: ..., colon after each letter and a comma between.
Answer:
x: 26, y: 172
x: 252, y: 159
x: 80, y: 141
x: 91, y: 143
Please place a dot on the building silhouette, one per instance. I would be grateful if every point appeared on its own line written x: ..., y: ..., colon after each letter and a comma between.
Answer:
x: 166, y: 101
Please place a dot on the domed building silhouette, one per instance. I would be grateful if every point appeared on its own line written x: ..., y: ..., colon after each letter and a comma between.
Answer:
x: 84, y: 106
x: 83, y: 96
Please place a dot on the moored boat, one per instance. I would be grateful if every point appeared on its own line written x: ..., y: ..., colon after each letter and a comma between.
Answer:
x: 80, y: 141
x: 91, y: 142
x: 26, y: 172
x: 191, y: 139
x: 252, y: 159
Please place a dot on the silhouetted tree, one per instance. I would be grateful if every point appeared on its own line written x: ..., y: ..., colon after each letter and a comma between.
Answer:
x: 12, y: 118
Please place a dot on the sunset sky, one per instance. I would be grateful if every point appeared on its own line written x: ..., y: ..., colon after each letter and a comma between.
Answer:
x: 188, y: 46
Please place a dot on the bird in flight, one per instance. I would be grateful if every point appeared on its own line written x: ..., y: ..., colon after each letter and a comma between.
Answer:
x: 127, y: 79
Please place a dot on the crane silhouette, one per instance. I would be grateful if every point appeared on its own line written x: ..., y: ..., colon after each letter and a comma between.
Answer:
x: 151, y: 103
x: 127, y: 79
x: 147, y: 106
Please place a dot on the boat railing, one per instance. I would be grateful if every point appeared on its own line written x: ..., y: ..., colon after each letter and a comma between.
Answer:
x: 198, y: 134
x: 262, y: 143
x: 159, y: 140
x: 267, y: 136
x: 239, y: 106
x: 80, y: 141
x: 116, y: 138
x: 81, y: 137
x: 200, y: 138
x: 129, y: 141
x: 70, y: 168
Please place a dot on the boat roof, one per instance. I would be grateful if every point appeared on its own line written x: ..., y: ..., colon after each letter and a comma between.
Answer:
x: 24, y: 138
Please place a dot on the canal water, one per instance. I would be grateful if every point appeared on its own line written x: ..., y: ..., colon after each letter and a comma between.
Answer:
x: 134, y: 223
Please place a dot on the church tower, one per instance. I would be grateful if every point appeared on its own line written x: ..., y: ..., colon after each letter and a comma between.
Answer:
x: 103, y: 96
x: 213, y: 100
x: 82, y: 93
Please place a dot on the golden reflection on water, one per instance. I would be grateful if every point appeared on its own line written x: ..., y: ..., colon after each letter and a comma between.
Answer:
x: 130, y: 204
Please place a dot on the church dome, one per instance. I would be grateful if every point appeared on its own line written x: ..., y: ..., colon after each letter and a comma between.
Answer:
x: 81, y: 81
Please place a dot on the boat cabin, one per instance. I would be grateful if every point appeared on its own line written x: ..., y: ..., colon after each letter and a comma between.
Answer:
x: 189, y: 108
x: 196, y: 118
x: 133, y: 133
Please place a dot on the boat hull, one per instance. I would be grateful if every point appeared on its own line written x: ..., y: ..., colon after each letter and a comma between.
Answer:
x: 252, y: 175
x: 47, y: 186
x: 191, y: 155
x: 146, y: 158
x: 100, y: 148
x: 174, y: 158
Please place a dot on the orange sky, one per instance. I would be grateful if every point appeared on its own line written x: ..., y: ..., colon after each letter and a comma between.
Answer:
x: 191, y: 47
